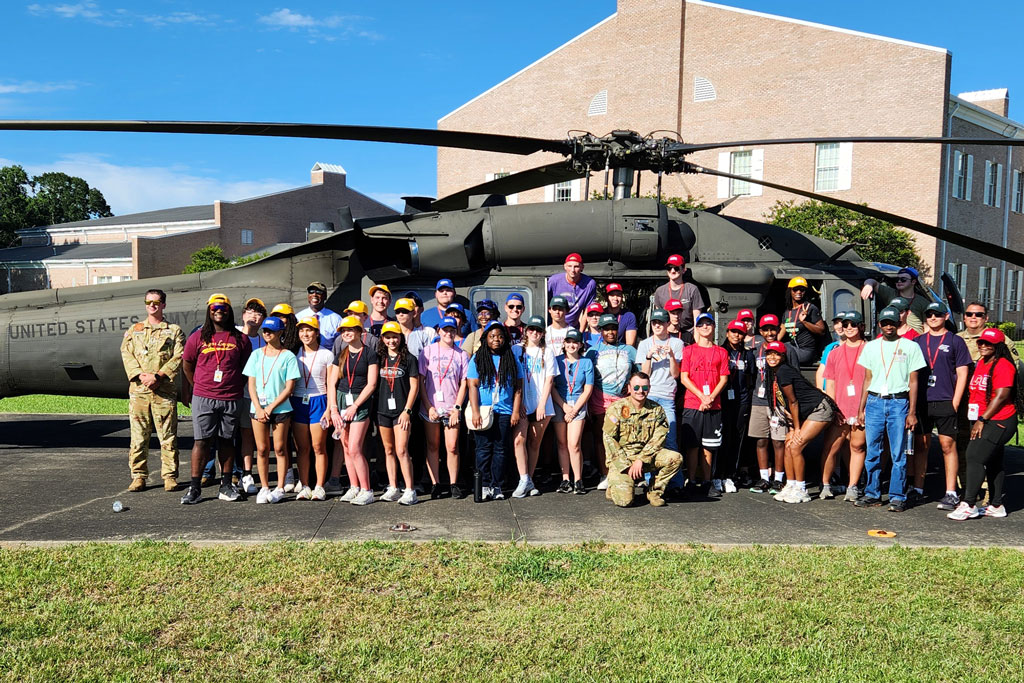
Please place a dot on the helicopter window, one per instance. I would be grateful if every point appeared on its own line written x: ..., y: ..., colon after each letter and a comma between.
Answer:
x: 498, y: 296
x: 845, y: 300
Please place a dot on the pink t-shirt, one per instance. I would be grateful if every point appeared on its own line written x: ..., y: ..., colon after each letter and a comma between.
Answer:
x: 705, y: 366
x: 842, y: 369
x: 442, y: 370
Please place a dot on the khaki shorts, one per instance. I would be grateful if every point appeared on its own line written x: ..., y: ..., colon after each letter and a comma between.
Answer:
x: 823, y: 413
x: 761, y: 426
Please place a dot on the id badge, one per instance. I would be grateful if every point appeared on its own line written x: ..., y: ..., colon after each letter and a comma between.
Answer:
x: 218, y: 375
x: 851, y: 421
x: 760, y: 391
x: 741, y: 365
x: 850, y: 390
x: 931, y: 380
x: 973, y: 411
x: 707, y: 389
x: 438, y: 396
x: 759, y: 363
x: 775, y: 421
x: 305, y: 400
x: 884, y: 391
x: 392, y: 405
x: 349, y: 399
x: 731, y: 395
x: 262, y: 400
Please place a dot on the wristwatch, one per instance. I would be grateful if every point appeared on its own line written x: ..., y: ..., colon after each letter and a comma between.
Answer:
x: 458, y: 408
x: 983, y: 420
x: 408, y: 411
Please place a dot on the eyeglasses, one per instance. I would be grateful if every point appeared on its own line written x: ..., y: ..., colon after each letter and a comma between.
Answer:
x: 514, y: 307
x: 641, y: 387
x: 218, y: 308
x: 151, y: 302
x: 974, y: 314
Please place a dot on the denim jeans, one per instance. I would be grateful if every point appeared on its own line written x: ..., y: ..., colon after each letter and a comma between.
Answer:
x: 491, y: 446
x: 885, y: 417
x: 670, y: 414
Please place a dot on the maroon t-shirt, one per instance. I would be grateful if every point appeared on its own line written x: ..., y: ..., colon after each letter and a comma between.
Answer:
x: 226, y: 352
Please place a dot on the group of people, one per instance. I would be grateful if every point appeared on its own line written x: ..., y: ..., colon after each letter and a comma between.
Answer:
x: 663, y: 414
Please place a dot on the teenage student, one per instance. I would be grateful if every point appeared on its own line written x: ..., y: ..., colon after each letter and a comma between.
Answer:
x: 397, y: 392
x: 309, y: 408
x: 573, y: 386
x: 443, y: 368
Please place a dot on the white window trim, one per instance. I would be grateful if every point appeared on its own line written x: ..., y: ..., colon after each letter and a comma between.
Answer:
x: 993, y: 184
x: 242, y: 234
x: 510, y: 199
x: 756, y: 173
x: 1018, y: 191
x: 963, y: 175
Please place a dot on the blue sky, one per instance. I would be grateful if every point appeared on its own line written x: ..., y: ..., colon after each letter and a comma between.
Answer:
x: 399, y: 63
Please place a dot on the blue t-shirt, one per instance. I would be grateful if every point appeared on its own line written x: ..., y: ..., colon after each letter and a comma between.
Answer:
x: 592, y: 339
x: 612, y: 366
x: 580, y: 374
x: 943, y: 355
x: 505, y: 394
x: 824, y: 359
x: 271, y: 374
x: 627, y: 321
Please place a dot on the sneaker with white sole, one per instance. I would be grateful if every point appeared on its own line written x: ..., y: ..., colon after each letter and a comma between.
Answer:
x: 391, y: 494
x: 783, y: 492
x: 365, y: 497
x: 486, y: 493
x: 852, y: 494
x: 497, y: 493
x: 797, y: 495
x: 249, y: 485
x: 964, y: 511
x: 950, y: 501
x: 603, y: 484
x: 994, y: 511
x: 289, y: 481
x: 304, y: 494
x: 826, y: 492
x: 333, y: 485
x: 319, y: 494
x: 524, y: 489
x: 730, y: 486
x: 227, y: 492
x: 351, y: 494
x: 408, y: 497
x: 717, y: 484
x: 276, y: 496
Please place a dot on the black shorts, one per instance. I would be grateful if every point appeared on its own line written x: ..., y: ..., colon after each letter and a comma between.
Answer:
x: 937, y: 415
x: 388, y: 420
x: 698, y: 428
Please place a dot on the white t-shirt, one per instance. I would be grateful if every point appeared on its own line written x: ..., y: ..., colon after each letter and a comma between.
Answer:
x: 663, y: 384
x: 313, y: 372
x: 257, y: 343
x: 553, y: 338
x: 538, y: 366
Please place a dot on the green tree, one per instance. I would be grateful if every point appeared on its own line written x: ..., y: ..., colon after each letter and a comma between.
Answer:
x: 14, y: 196
x: 46, y: 199
x: 873, y: 239
x: 688, y: 203
x: 211, y: 257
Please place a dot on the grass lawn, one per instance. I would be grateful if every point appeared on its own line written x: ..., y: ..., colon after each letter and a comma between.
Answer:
x: 77, y: 405
x: 442, y: 611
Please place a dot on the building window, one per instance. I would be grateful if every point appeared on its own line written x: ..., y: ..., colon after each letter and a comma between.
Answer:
x: 107, y: 279
x: 826, y: 167
x: 246, y: 236
x: 1013, y: 282
x: 1018, y: 191
x: 563, y: 191
x: 958, y: 271
x: 740, y: 164
x: 963, y: 175
x: 993, y: 184
x: 986, y: 284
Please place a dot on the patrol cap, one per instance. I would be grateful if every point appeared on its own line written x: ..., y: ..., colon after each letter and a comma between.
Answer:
x: 659, y: 315
x: 558, y: 302
x: 574, y: 335
x: 673, y: 305
x: 414, y: 296
x: 390, y: 326
x: 380, y: 288
x: 992, y: 335
x: 218, y: 299
x: 515, y: 296
x: 404, y: 304
x: 937, y: 307
x: 357, y: 307
x: 737, y: 326
x: 608, y: 320
x: 745, y: 314
x: 797, y: 282
x: 455, y: 306
x: 283, y: 309
x: 254, y: 300
x: 675, y: 260
x: 769, y: 320
x: 311, y: 321
x: 350, y: 321
x: 705, y: 318
x: 487, y: 304
x: 613, y: 287
x: 536, y: 321
x: 595, y: 308
x: 855, y: 317
x: 273, y: 324
x: 448, y: 321
x: 900, y: 304
x: 890, y: 314
x: 444, y: 283
x: 316, y: 286
x: 775, y: 347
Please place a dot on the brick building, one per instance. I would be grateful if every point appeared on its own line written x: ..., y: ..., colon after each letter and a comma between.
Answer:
x: 716, y: 73
x: 161, y: 242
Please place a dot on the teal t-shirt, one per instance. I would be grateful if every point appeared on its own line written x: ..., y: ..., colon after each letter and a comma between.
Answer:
x: 271, y: 374
x: 890, y: 364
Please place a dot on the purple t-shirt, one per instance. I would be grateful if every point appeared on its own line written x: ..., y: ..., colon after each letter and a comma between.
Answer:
x: 442, y: 369
x: 578, y: 296
x: 943, y: 356
x: 627, y: 321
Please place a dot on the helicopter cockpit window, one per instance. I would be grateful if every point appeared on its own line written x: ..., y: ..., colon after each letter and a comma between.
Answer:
x: 498, y: 296
x: 845, y: 300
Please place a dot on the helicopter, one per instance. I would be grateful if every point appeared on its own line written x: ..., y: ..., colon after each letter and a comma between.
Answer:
x: 66, y: 341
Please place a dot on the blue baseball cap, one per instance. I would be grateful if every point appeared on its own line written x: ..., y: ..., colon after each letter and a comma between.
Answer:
x: 414, y: 296
x: 486, y: 303
x: 704, y: 317
x: 491, y: 325
x: 273, y: 323
x: 448, y: 321
x: 908, y: 270
x: 444, y: 282
x: 453, y: 306
x: 515, y: 296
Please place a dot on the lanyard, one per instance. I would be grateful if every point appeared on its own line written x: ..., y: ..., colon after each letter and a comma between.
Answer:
x: 437, y: 362
x: 761, y: 362
x: 892, y: 359
x: 265, y: 375
x: 932, y: 357
x: 796, y: 313
x: 216, y: 348
x: 348, y: 371
x: 389, y: 376
x: 302, y: 367
x: 853, y: 363
x: 571, y: 384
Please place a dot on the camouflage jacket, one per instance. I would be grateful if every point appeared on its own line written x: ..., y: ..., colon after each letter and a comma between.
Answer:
x: 153, y: 348
x: 972, y: 345
x: 633, y: 433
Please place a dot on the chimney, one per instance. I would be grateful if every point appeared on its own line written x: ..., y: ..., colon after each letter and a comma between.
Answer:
x: 996, y: 101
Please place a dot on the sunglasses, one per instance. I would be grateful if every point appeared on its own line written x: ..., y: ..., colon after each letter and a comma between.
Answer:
x: 514, y: 307
x: 933, y: 314
x: 903, y: 279
x: 983, y: 342
x: 267, y: 330
x: 799, y: 289
x: 218, y: 308
x: 593, y: 315
x: 848, y: 323
x: 152, y: 302
x: 316, y: 291
x: 399, y: 311
x: 974, y: 314
x: 671, y: 268
x: 641, y: 387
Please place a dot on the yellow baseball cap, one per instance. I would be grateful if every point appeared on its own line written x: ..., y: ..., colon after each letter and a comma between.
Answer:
x: 391, y: 326
x: 285, y: 309
x: 797, y: 282
x: 218, y: 299
x: 254, y: 300
x: 382, y: 288
x: 311, y: 321
x: 350, y: 321
x: 357, y: 307
x: 405, y: 304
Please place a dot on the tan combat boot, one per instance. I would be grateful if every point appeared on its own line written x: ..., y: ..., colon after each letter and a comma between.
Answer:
x: 655, y: 499
x: 170, y: 484
x: 138, y: 484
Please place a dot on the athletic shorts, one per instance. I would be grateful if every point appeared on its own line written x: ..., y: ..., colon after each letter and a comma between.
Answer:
x: 308, y: 413
x: 560, y: 414
x: 937, y: 415
x: 388, y: 420
x: 245, y: 406
x: 761, y: 426
x: 213, y: 417
x: 697, y: 428
x: 362, y: 413
x: 273, y: 420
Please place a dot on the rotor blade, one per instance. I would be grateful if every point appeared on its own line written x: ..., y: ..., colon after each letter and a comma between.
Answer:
x: 686, y: 147
x: 980, y: 246
x: 487, y: 142
x: 557, y: 172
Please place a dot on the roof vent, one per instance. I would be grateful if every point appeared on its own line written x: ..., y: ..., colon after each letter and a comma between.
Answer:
x: 598, y: 105
x: 703, y: 90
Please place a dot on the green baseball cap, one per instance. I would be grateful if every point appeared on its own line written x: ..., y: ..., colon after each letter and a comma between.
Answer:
x: 855, y: 317
x: 900, y: 304
x: 660, y: 314
x: 607, y: 320
x: 536, y: 321
x: 889, y: 313
x: 558, y: 302
x: 574, y: 335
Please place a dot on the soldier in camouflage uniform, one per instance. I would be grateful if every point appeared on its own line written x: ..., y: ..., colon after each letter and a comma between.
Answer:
x: 151, y: 352
x: 635, y: 428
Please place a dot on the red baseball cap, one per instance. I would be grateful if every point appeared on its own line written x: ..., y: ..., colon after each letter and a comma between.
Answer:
x: 574, y: 257
x: 613, y: 287
x: 675, y: 260
x: 769, y: 320
x: 745, y: 314
x: 992, y: 335
x: 673, y: 305
x: 777, y: 347
x: 737, y: 326
x: 595, y: 308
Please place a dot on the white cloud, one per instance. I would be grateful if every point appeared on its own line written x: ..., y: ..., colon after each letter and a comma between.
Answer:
x: 84, y: 10
x: 25, y: 87
x: 92, y: 12
x: 285, y: 18
x: 327, y: 28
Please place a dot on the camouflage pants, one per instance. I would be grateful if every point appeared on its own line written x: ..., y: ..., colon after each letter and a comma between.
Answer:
x: 620, y: 484
x: 148, y: 410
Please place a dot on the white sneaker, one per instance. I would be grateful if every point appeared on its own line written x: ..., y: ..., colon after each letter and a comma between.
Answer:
x: 304, y: 494
x: 289, y: 481
x: 798, y: 495
x: 497, y: 493
x: 730, y: 486
x: 408, y: 498
x: 249, y: 484
x: 603, y: 484
x: 364, y: 498
x: 524, y: 488
x: 276, y: 496
x: 486, y: 493
x: 534, y: 491
x: 391, y: 494
x: 826, y: 492
x: 994, y: 511
x: 781, y: 495
x: 319, y: 494
x: 350, y: 495
x: 964, y: 511
x: 263, y: 496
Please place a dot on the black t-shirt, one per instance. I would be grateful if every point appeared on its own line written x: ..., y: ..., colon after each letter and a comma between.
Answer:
x: 807, y: 397
x: 805, y: 339
x: 394, y: 383
x: 761, y: 397
x: 742, y: 366
x: 354, y: 369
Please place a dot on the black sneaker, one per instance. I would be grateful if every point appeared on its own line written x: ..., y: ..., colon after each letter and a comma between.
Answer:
x: 761, y: 487
x: 897, y: 505
x: 579, y: 489
x: 565, y: 486
x: 776, y: 486
x: 949, y: 502
x: 914, y: 498
x: 227, y: 492
x: 867, y: 502
x: 456, y: 492
x: 191, y: 496
x: 713, y: 492
x: 436, y: 492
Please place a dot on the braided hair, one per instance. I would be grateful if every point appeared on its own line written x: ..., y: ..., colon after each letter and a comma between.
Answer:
x: 290, y: 337
x: 506, y: 371
x: 208, y: 329
x: 769, y: 379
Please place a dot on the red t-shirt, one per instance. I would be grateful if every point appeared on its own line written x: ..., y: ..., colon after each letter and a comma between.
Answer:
x: 705, y: 366
x: 911, y: 334
x: 1002, y: 376
x: 224, y: 352
x: 842, y: 368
